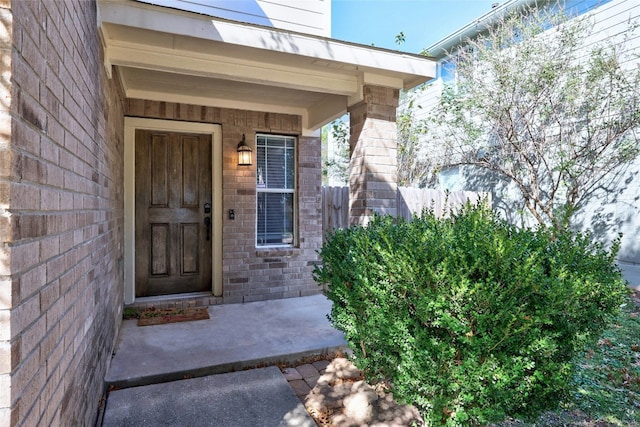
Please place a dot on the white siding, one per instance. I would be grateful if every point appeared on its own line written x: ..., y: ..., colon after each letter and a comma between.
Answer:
x: 611, y: 213
x: 612, y: 21
x: 305, y: 16
x: 621, y: 211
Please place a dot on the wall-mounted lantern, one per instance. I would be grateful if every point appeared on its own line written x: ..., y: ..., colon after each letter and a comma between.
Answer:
x: 244, y: 153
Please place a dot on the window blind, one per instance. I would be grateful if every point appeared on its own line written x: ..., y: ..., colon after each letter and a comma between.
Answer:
x: 275, y: 189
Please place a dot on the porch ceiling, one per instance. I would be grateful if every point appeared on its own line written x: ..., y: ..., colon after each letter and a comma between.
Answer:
x: 175, y: 56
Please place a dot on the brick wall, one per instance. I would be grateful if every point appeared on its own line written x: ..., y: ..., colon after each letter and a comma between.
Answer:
x: 61, y: 206
x: 250, y: 273
x: 373, y: 148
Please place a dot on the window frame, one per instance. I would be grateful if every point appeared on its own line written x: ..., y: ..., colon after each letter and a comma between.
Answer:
x: 266, y: 190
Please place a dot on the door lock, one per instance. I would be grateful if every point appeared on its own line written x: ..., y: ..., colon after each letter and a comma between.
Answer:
x: 207, y: 208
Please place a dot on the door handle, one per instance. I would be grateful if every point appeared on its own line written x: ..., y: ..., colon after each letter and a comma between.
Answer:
x: 207, y: 222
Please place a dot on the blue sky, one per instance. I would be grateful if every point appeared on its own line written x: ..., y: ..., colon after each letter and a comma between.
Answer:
x: 423, y: 22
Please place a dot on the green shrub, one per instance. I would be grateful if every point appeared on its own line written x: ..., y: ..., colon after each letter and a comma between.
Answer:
x: 469, y: 318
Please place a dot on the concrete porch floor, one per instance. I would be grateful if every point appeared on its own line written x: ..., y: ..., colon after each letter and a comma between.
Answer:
x: 235, y: 337
x: 164, y: 374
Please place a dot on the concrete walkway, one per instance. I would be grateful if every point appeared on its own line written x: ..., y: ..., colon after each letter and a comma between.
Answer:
x: 236, y: 337
x: 257, y: 397
x: 631, y: 273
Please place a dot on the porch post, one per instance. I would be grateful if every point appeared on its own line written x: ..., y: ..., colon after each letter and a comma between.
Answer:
x: 373, y: 148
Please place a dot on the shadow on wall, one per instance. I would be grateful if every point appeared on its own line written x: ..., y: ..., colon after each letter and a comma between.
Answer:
x: 372, y: 192
x: 614, y: 208
x: 5, y: 137
x: 611, y: 208
x: 504, y: 194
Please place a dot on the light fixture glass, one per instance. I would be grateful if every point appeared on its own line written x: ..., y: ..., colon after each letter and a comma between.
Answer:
x: 244, y: 153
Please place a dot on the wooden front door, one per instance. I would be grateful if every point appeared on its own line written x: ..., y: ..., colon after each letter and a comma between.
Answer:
x: 172, y: 194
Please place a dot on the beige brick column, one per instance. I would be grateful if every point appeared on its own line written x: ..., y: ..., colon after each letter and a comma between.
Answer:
x: 373, y: 147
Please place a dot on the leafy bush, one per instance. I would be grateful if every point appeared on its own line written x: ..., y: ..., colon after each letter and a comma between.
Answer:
x: 469, y: 318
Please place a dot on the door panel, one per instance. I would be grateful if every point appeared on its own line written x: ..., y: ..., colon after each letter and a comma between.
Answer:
x: 173, y: 182
x: 159, y: 147
x: 159, y: 249
x: 190, y: 187
x: 190, y: 238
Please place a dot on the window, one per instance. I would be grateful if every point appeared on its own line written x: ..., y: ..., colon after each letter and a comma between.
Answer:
x: 275, y: 190
x: 447, y: 70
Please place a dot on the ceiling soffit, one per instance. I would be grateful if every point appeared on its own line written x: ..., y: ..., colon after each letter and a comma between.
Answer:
x: 168, y: 55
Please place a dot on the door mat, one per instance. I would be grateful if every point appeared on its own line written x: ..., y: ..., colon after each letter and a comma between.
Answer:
x: 155, y: 316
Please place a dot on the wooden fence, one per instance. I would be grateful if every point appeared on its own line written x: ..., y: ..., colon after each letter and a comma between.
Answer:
x: 411, y: 201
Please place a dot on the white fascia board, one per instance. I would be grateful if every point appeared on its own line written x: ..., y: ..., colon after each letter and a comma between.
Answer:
x: 382, y: 80
x: 154, y: 18
x: 323, y: 49
x: 170, y: 60
x: 104, y: 35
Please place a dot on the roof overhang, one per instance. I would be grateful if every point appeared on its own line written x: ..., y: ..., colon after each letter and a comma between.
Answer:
x: 443, y: 47
x: 170, y: 55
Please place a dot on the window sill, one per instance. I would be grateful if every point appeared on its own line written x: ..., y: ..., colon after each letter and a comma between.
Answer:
x: 277, y: 251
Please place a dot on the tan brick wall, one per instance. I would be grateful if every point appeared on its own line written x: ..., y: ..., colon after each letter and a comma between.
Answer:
x: 61, y: 204
x: 250, y: 273
x: 373, y: 163
x: 7, y: 170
